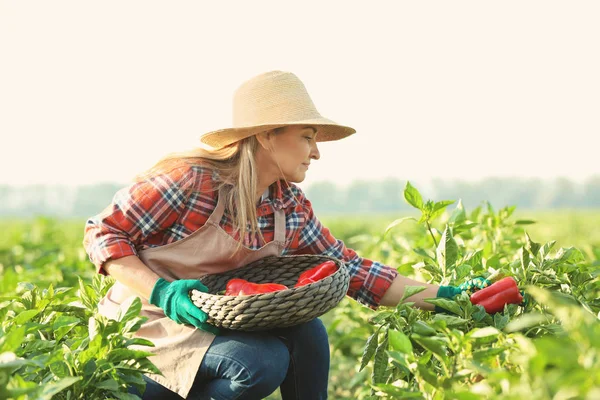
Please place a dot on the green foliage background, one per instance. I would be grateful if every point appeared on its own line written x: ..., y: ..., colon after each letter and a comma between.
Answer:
x: 54, y: 345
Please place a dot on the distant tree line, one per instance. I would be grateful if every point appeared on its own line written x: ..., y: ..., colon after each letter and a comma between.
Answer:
x: 327, y: 197
x: 387, y: 195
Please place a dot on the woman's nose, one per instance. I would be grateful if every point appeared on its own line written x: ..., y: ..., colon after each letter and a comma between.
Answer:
x: 315, y: 154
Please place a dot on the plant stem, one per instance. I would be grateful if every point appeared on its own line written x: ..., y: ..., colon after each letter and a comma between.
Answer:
x: 431, y: 233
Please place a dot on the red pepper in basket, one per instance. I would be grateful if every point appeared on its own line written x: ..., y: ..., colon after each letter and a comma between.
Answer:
x: 494, y: 297
x: 241, y: 287
x: 234, y: 286
x: 317, y: 273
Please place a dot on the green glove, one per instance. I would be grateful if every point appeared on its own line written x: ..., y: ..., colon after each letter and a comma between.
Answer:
x: 475, y: 284
x: 174, y: 299
x: 470, y: 286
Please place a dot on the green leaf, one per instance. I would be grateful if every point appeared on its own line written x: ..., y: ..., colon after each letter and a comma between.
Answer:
x: 381, y: 317
x: 399, y: 341
x: 38, y: 347
x: 63, y: 325
x: 524, y: 257
x: 380, y: 362
x: 423, y: 329
x: 447, y: 251
x: 483, y: 332
x: 397, y: 393
x: 524, y: 222
x: 480, y: 314
x: 463, y: 227
x: 439, y: 207
x: 108, y: 384
x: 9, y: 361
x: 465, y: 396
x: 138, y: 342
x: 370, y: 347
x: 50, y: 290
x: 458, y: 215
x: 60, y: 369
x: 570, y: 255
x: 124, y: 396
x: 86, y: 295
x: 50, y: 389
x: 118, y: 355
x: 135, y: 379
x: 428, y: 376
x: 23, y: 287
x: 93, y: 328
x: 474, y: 258
x: 89, y: 368
x: 132, y: 311
x: 500, y: 320
x: 450, y: 320
x: 93, y: 350
x: 545, y: 250
x: 484, y: 354
x: 133, y: 325
x: 25, y: 316
x: 436, y: 346
x: 411, y: 290
x: 401, y: 359
x: 423, y: 252
x: 530, y: 245
x: 142, y: 365
x: 12, y: 340
x: 446, y: 304
x: 462, y: 271
x: 396, y: 223
x: 413, y: 197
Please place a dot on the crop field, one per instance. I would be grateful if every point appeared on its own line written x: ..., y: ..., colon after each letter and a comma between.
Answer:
x: 54, y: 345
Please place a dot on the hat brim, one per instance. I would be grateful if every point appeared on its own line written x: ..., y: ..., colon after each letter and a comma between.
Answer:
x: 327, y: 131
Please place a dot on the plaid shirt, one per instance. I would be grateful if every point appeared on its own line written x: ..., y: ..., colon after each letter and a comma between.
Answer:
x: 171, y: 206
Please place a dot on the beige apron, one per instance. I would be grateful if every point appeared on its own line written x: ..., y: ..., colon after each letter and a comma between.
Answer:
x: 179, y: 349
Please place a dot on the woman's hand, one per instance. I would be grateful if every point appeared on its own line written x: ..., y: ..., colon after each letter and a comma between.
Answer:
x: 174, y: 299
x: 492, y: 296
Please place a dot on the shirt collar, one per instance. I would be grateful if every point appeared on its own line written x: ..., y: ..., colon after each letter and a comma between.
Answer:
x: 282, y: 195
x: 279, y: 196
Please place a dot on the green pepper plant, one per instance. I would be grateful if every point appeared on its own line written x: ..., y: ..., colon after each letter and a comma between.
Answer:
x: 545, y: 348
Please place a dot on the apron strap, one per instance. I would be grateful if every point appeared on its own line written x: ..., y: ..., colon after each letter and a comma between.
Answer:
x: 279, y: 226
x: 217, y: 213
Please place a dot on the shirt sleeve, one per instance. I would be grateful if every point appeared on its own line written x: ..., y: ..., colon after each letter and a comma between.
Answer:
x: 135, y: 214
x: 369, y: 280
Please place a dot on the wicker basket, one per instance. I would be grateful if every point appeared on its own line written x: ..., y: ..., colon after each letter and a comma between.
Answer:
x: 276, y: 309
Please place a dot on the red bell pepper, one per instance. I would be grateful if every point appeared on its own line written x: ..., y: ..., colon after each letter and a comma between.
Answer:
x: 317, y: 273
x: 234, y: 286
x: 494, y: 297
x: 241, y: 287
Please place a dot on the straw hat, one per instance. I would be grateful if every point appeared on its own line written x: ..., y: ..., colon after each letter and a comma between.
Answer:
x: 272, y: 100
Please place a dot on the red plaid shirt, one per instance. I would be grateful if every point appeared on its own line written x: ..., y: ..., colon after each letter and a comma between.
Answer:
x: 171, y: 206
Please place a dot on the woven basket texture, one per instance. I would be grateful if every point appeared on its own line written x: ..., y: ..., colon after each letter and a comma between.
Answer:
x: 276, y: 309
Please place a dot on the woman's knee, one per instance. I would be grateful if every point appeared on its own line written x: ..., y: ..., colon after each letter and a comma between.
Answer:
x: 255, y: 364
x: 270, y: 368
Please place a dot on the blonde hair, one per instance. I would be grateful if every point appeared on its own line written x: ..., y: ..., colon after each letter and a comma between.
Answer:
x: 235, y: 165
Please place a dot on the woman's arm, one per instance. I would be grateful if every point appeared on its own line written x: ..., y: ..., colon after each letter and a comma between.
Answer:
x: 371, y: 283
x: 133, y: 273
x: 395, y: 292
x: 136, y: 214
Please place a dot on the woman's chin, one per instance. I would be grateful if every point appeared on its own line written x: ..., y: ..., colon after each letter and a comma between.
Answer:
x: 296, y: 178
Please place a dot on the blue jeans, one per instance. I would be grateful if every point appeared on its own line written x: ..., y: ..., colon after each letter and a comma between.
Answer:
x: 252, y: 365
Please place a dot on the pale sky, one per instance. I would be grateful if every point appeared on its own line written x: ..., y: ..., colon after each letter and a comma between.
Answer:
x: 98, y: 91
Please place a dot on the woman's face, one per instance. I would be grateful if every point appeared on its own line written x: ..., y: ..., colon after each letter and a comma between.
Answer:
x: 294, y: 148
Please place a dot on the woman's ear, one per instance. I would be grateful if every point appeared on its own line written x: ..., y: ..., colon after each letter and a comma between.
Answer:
x: 266, y: 139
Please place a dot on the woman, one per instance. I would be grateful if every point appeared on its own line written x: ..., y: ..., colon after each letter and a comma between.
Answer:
x: 217, y: 208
